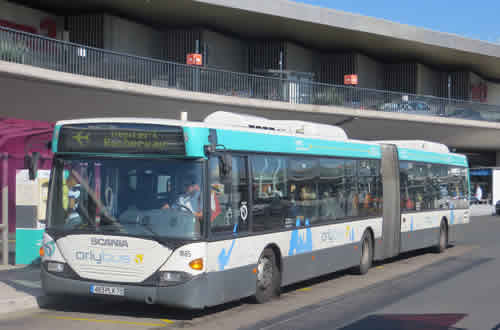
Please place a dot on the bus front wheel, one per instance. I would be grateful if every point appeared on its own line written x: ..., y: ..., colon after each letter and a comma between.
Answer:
x: 268, y: 277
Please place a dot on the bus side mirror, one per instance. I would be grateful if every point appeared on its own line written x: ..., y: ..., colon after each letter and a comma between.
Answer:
x: 226, y: 165
x: 31, y: 163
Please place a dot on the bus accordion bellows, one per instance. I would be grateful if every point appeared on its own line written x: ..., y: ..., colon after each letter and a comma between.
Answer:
x: 195, y: 214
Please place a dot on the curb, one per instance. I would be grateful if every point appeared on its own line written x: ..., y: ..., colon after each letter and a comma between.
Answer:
x: 22, y: 304
x: 10, y: 305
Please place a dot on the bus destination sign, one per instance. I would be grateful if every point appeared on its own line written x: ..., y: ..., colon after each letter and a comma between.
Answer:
x: 167, y: 140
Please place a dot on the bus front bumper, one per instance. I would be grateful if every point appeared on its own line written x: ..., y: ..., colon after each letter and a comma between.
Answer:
x: 186, y: 295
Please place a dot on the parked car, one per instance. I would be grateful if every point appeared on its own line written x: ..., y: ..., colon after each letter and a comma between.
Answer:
x: 420, y: 106
x: 413, y: 107
x: 466, y: 114
x: 391, y: 107
x: 497, y: 208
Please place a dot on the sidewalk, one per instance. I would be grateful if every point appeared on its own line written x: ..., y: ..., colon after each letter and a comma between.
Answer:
x: 20, y: 288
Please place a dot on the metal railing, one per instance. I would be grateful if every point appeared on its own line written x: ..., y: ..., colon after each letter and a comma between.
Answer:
x: 43, y: 52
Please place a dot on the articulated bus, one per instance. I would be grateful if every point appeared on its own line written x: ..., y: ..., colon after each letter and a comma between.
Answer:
x: 195, y: 214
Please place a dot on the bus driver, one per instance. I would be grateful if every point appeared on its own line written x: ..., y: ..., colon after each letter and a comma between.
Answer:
x: 190, y: 199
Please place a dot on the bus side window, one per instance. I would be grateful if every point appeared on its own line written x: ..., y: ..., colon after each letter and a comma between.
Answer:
x: 228, y: 196
x: 304, y: 176
x: 368, y: 188
x: 270, y: 194
x: 331, y: 189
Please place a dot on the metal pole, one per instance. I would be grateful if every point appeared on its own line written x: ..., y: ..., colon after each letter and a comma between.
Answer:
x: 5, y: 210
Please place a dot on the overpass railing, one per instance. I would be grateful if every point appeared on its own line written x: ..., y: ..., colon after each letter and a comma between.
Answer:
x: 43, y: 52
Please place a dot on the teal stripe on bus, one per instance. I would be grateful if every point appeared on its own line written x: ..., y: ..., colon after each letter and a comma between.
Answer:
x: 432, y: 157
x: 196, y: 138
x: 259, y: 142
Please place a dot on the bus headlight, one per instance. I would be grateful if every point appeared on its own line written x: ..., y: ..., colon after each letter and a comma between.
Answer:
x: 173, y: 278
x: 60, y: 269
x: 55, y: 267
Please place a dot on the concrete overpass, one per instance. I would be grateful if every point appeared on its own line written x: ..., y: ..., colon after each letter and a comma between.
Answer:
x: 39, y: 94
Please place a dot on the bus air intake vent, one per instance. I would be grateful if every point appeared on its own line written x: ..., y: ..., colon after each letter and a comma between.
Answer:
x: 295, y: 127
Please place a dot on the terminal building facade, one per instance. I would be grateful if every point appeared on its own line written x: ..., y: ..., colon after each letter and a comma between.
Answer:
x: 379, y: 79
x: 278, y: 50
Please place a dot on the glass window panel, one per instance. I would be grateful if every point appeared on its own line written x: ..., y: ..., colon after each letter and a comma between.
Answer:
x: 270, y: 194
x: 304, y: 173
x: 332, y: 190
x: 351, y: 188
x: 228, y: 196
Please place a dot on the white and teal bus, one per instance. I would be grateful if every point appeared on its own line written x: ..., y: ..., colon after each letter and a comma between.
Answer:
x: 195, y: 214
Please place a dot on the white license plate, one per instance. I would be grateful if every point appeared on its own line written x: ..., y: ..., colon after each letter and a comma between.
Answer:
x: 107, y: 290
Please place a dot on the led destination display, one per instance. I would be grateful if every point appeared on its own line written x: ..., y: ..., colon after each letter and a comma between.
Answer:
x: 130, y: 139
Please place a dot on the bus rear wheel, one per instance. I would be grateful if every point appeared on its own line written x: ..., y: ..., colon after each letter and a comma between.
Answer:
x: 268, y: 277
x: 443, y: 238
x: 366, y: 255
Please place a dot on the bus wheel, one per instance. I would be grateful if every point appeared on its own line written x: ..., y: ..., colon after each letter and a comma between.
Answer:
x: 366, y: 255
x: 443, y: 238
x: 268, y: 277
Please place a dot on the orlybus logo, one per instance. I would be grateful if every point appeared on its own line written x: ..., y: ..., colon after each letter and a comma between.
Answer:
x: 139, y: 258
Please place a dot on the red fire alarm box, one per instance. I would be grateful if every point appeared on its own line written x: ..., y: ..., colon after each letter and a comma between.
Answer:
x: 194, y: 59
x: 351, y: 79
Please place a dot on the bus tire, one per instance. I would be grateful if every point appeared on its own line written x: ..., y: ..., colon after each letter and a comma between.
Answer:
x: 443, y: 238
x: 366, y: 254
x: 268, y: 277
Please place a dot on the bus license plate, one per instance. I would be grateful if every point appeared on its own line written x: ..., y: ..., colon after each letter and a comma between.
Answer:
x: 107, y: 290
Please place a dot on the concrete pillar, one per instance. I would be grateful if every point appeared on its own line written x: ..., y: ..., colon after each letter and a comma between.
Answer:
x: 497, y: 163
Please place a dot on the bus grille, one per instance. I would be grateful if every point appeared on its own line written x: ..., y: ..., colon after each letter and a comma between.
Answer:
x: 111, y: 273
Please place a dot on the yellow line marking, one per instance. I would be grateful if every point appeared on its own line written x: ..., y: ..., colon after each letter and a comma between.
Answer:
x: 167, y: 321
x: 12, y: 240
x: 379, y: 267
x: 304, y: 289
x: 110, y: 321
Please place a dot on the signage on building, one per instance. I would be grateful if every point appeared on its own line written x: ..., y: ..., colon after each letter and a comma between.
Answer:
x: 48, y: 27
x: 479, y: 92
x: 350, y: 79
x: 194, y: 59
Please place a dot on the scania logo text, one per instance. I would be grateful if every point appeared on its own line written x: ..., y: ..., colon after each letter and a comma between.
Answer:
x: 109, y: 242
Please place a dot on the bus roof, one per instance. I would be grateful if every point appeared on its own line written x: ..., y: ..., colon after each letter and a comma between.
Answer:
x: 296, y: 137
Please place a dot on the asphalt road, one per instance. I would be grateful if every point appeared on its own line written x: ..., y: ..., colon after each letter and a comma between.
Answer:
x: 454, y: 290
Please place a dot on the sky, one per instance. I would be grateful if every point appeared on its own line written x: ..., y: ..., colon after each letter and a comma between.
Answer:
x: 476, y: 19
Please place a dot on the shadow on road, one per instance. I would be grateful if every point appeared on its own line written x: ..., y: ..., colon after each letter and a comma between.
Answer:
x: 23, y: 280
x: 407, y: 322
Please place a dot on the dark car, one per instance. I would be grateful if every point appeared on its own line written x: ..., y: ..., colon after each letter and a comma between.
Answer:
x: 497, y: 208
x: 413, y: 107
x: 466, y: 114
x: 419, y: 106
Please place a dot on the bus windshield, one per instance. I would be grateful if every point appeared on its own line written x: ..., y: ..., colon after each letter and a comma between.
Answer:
x: 137, y: 197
